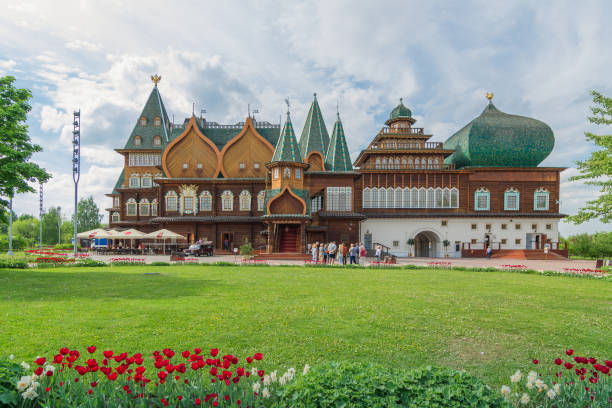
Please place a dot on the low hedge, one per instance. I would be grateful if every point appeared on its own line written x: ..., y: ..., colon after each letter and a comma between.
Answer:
x: 364, y: 385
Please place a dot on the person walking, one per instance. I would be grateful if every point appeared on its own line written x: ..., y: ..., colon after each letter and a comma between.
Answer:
x: 345, y: 253
x: 378, y: 253
x: 353, y: 252
x: 362, y: 254
x: 332, y: 248
x: 489, y: 251
x: 314, y: 250
x: 325, y: 253
x: 340, y: 254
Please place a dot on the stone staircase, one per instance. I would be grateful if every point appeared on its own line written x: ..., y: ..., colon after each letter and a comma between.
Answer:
x: 533, y: 254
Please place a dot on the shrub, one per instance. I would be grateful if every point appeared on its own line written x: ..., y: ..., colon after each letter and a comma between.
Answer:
x: 246, y: 249
x: 8, y: 263
x: 160, y: 263
x: 10, y: 373
x: 360, y: 385
x: 89, y: 262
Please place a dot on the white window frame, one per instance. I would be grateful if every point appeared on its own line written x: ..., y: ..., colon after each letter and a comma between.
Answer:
x: 205, y: 201
x: 154, y: 207
x: 115, y: 217
x: 171, y: 201
x: 227, y: 201
x: 134, y: 180
x: 146, y: 181
x: 261, y: 199
x: 244, y: 201
x: 512, y: 194
x: 144, y: 207
x: 545, y: 195
x: 486, y: 195
x: 338, y: 198
x: 131, y: 208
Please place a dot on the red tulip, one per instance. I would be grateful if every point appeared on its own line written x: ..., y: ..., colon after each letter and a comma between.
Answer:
x: 240, y: 371
x: 185, y: 354
x: 249, y: 360
x: 64, y: 350
x: 198, y: 401
x: 592, y: 360
x: 558, y: 361
x: 49, y: 373
x: 90, y: 392
x: 108, y: 353
x: 40, y: 361
x: 48, y: 389
x: 569, y: 365
x: 226, y: 397
x: 112, y: 376
x: 569, y: 352
x: 38, y: 371
x: 58, y: 358
x: 260, y: 373
x: 197, y: 350
x: 214, y: 352
x: 168, y: 353
x: 535, y: 361
x: 91, y: 349
x: 257, y: 356
x: 93, y: 384
x: 609, y: 363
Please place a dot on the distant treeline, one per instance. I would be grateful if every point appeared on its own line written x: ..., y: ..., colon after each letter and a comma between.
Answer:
x: 590, y: 245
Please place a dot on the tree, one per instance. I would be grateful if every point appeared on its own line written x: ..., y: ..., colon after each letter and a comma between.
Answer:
x: 26, y: 226
x: 52, y: 220
x: 16, y: 149
x: 597, y: 169
x: 88, y: 215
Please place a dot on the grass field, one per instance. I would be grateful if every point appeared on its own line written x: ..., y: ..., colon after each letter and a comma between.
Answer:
x: 489, y: 323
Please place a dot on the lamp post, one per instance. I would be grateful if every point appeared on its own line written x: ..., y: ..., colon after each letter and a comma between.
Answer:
x: 76, y: 167
x: 10, y: 231
x: 41, y: 217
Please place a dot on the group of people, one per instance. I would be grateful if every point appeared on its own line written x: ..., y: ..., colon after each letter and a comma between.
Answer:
x: 342, y: 253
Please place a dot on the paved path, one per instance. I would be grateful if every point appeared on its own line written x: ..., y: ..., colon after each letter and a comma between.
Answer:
x: 541, y: 265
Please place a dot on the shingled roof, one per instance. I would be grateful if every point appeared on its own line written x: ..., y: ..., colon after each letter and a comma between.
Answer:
x: 287, y: 149
x: 314, y: 135
x: 338, y: 157
x: 152, y: 109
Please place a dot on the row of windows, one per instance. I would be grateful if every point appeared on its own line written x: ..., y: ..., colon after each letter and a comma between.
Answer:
x: 156, y: 122
x: 189, y: 204
x: 407, y: 163
x: 410, y: 197
x: 144, y: 208
x: 146, y: 181
x: 287, y: 173
x: 505, y: 226
x: 144, y: 159
x: 482, y: 199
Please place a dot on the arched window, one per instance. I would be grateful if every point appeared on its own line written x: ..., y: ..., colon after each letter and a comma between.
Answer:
x: 154, y: 207
x: 390, y: 198
x: 414, y: 199
x: 384, y: 163
x: 406, y: 198
x: 367, y: 200
x: 446, y: 198
x: 398, y: 197
x: 157, y: 121
x: 143, y: 121
x: 430, y: 163
x: 245, y: 201
x: 397, y: 163
x: 417, y: 163
x: 145, y: 207
x: 261, y: 199
x: 511, y: 199
x: 540, y: 199
x: 227, y: 201
x: 430, y: 198
x: 436, y: 164
x: 131, y: 207
x: 410, y: 163
x: 438, y: 203
x: 147, y: 181
x: 134, y: 180
x: 382, y: 197
x: 482, y: 199
x: 137, y: 140
x: 171, y: 201
x: 188, y: 203
x: 205, y: 201
x: 286, y: 172
x: 157, y: 141
x: 374, y: 198
x: 454, y: 198
x: 422, y: 197
x: 378, y: 162
x: 115, y: 217
x: 404, y: 162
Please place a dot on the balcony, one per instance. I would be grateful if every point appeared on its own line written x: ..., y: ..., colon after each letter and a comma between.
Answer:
x: 385, y: 166
x: 405, y: 131
x: 407, y: 145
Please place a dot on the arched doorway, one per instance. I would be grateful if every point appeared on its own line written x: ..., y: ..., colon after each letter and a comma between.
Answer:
x: 426, y: 244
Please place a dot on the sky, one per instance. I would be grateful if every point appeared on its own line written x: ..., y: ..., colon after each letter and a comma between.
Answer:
x: 540, y: 59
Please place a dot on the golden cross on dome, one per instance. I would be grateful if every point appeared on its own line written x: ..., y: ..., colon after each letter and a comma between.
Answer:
x: 155, y: 78
x: 489, y: 95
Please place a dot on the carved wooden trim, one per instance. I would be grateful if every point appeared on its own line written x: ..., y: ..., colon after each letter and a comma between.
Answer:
x: 248, y: 123
x: 286, y: 188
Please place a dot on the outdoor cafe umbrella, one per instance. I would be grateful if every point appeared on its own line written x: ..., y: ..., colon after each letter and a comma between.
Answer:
x: 164, y: 234
x: 131, y: 234
x: 91, y: 233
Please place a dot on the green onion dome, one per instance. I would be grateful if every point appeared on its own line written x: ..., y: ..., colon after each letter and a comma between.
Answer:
x: 498, y: 139
x: 399, y: 112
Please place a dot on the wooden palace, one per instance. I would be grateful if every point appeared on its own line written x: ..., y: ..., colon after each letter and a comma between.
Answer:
x: 254, y: 182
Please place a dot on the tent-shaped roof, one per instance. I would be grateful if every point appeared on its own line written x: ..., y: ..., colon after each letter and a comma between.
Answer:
x: 154, y: 107
x: 287, y: 149
x: 164, y: 234
x: 131, y: 234
x: 95, y: 233
x: 314, y: 135
x: 338, y: 157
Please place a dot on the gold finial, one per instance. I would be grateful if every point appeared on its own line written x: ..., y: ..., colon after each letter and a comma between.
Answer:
x: 155, y: 78
x: 489, y: 95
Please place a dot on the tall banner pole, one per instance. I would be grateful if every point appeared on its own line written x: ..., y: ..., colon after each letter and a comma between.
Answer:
x: 76, y: 168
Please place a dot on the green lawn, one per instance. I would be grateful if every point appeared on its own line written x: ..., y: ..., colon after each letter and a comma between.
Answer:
x: 489, y: 323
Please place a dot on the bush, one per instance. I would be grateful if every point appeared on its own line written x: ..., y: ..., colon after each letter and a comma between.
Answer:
x: 160, y: 263
x: 246, y: 249
x: 360, y: 385
x: 8, y: 263
x: 89, y: 262
x: 10, y: 373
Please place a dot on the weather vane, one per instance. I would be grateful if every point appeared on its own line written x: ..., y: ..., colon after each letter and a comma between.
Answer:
x: 288, y: 104
x: 489, y: 95
x: 155, y: 78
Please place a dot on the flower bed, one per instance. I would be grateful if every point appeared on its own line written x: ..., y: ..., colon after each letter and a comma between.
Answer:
x: 440, y: 264
x: 118, y: 379
x: 586, y: 271
x: 568, y: 381
x: 127, y: 261
x: 514, y: 267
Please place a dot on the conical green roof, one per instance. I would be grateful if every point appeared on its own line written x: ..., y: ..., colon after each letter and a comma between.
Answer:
x: 287, y: 149
x: 152, y: 109
x: 314, y: 135
x: 338, y: 157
